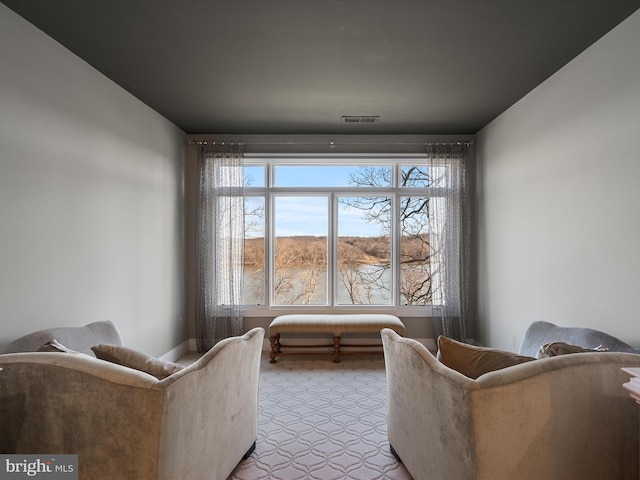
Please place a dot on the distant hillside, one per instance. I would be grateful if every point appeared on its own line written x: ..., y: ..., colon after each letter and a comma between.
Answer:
x: 305, y: 250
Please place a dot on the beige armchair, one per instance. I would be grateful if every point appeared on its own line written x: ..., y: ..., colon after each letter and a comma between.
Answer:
x: 564, y: 417
x: 125, y: 424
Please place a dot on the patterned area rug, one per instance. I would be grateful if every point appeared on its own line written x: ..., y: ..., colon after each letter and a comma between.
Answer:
x: 322, y: 421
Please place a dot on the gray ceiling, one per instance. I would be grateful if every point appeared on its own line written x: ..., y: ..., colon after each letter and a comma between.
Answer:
x: 298, y: 66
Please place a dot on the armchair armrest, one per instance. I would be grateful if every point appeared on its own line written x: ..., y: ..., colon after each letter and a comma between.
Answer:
x: 211, y: 410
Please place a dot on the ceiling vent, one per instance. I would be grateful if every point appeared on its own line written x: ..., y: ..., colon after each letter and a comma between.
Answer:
x: 360, y: 118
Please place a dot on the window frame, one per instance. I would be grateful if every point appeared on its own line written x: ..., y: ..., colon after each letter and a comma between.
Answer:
x: 395, y: 192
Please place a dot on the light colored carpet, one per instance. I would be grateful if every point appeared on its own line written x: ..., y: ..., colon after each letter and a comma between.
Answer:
x: 322, y: 421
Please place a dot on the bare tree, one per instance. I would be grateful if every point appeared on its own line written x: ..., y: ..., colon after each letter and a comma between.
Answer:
x: 254, y: 255
x: 348, y: 264
x: 415, y: 252
x: 361, y: 273
x: 293, y: 254
x: 313, y: 270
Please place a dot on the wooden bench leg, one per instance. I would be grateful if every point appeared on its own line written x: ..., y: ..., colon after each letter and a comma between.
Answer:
x: 336, y: 349
x: 275, y: 347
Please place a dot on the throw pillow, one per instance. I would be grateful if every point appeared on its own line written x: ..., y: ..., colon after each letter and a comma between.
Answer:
x: 473, y: 361
x: 55, y: 346
x: 553, y: 349
x: 136, y: 360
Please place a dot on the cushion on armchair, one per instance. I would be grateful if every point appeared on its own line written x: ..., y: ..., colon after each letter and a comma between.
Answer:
x: 136, y: 360
x: 554, y: 349
x: 473, y: 361
x: 55, y: 346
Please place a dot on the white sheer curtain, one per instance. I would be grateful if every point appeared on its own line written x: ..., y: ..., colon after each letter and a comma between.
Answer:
x: 450, y: 223
x: 220, y: 244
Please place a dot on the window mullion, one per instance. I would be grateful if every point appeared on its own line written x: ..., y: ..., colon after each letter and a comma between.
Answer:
x: 395, y: 236
x: 269, y: 250
x: 395, y: 250
x: 332, y: 263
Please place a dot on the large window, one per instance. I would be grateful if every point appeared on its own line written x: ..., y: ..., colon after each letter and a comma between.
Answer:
x: 340, y: 233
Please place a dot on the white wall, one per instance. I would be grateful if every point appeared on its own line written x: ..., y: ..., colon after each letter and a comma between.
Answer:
x: 559, y: 193
x: 91, y: 199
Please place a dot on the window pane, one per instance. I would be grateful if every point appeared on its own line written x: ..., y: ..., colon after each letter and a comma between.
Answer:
x: 254, y: 264
x: 414, y: 176
x: 332, y: 176
x: 254, y: 175
x: 300, y: 270
x: 418, y: 176
x: 364, y: 251
x: 415, y: 267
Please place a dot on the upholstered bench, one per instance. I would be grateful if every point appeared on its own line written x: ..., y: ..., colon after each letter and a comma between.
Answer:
x: 335, y: 324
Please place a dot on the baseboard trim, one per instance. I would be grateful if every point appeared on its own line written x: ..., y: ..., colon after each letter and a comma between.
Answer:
x: 178, y: 352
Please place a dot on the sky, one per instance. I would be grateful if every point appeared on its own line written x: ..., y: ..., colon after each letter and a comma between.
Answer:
x: 308, y: 214
x: 305, y: 176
